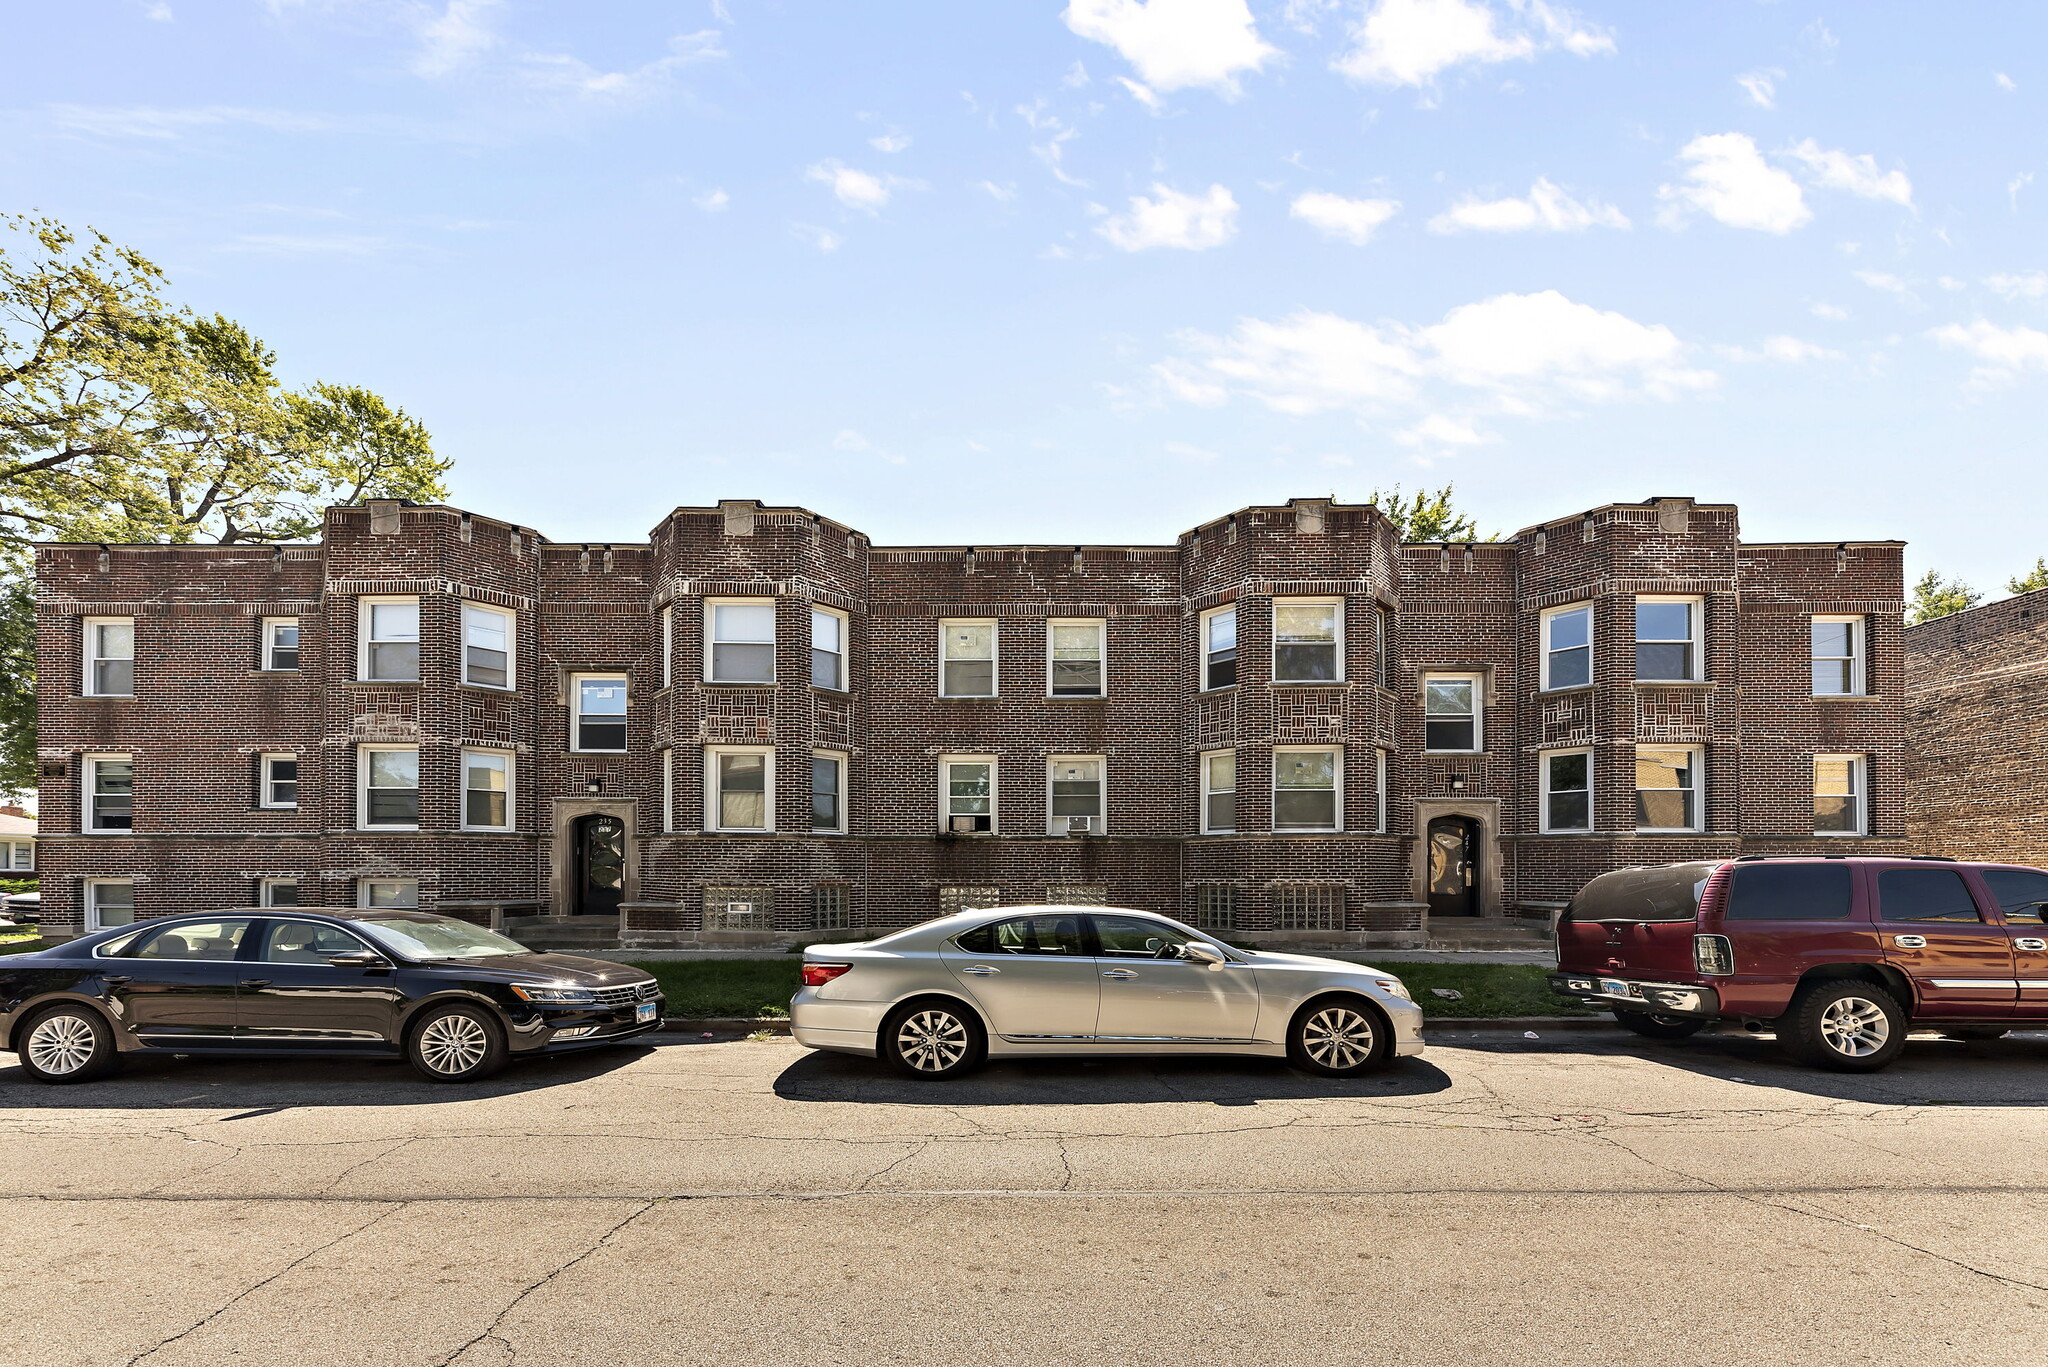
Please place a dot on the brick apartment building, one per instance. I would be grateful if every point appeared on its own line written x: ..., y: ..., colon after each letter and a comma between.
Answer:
x: 757, y: 724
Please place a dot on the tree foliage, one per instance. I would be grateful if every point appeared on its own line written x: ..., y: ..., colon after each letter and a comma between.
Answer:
x: 1427, y: 515
x: 1934, y: 596
x: 2035, y: 578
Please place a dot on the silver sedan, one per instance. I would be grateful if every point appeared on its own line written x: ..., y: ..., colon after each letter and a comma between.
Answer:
x: 937, y: 999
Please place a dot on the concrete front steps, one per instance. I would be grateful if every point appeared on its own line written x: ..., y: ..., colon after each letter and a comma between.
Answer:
x: 1488, y: 932
x: 564, y: 934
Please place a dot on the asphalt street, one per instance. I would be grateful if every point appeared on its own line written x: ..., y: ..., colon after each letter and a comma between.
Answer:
x: 1588, y: 1198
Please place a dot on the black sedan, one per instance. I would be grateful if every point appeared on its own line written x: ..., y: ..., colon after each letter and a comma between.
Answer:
x: 454, y: 999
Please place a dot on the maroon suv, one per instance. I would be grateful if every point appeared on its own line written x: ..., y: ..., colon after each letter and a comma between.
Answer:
x: 1841, y: 955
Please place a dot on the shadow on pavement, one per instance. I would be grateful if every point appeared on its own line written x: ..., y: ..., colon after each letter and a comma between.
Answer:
x: 1097, y: 1082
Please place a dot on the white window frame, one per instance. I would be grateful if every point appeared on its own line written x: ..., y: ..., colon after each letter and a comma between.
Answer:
x: 88, y: 774
x: 364, y: 642
x: 845, y: 684
x: 1698, y: 768
x: 266, y: 793
x: 1859, y: 685
x: 840, y: 757
x: 511, y: 787
x: 1697, y: 618
x: 714, y: 815
x: 89, y: 628
x: 13, y: 848
x: 712, y: 641
x: 1478, y: 683
x: 511, y: 646
x: 91, y: 898
x: 271, y: 626
x: 1101, y: 628
x: 576, y: 713
x: 1207, y: 792
x: 1543, y: 759
x: 264, y: 894
x: 668, y: 791
x: 1336, y: 785
x: 668, y: 645
x: 1098, y: 824
x: 1859, y: 778
x: 1549, y: 621
x: 995, y: 655
x: 1379, y: 766
x: 946, y: 763
x: 1203, y: 652
x: 1337, y: 644
x: 363, y: 753
x: 363, y: 886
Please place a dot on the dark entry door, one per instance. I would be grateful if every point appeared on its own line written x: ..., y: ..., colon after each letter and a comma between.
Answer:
x: 600, y: 865
x: 1453, y: 866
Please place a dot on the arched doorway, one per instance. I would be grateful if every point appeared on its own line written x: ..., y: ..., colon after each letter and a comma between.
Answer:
x: 600, y: 884
x: 1453, y: 866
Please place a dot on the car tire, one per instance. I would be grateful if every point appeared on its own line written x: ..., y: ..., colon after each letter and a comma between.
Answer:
x: 1339, y: 1037
x: 1971, y: 1034
x: 1651, y: 1026
x: 455, y: 1043
x: 1848, y: 1026
x: 932, y: 1040
x: 65, y: 1044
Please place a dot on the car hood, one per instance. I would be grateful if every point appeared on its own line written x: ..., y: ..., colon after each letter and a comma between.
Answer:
x: 552, y: 968
x: 1309, y: 962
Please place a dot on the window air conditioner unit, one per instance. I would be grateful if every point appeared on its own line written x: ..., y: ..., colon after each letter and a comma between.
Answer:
x: 963, y: 825
x: 1080, y: 825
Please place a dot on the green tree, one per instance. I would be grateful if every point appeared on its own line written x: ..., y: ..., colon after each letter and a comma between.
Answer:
x: 1427, y: 516
x: 17, y: 686
x: 1934, y: 596
x: 2035, y: 578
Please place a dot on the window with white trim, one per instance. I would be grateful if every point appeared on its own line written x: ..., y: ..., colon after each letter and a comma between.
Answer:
x: 388, y: 787
x: 739, y: 640
x: 1568, y: 646
x: 486, y: 790
x: 1668, y: 788
x: 1308, y: 640
x: 109, y: 782
x: 280, y: 643
x: 1074, y: 657
x: 389, y: 629
x: 967, y: 794
x: 828, y: 792
x: 739, y: 788
x: 1567, y: 790
x: 1307, y: 788
x: 109, y: 902
x: 277, y: 892
x: 110, y: 657
x: 668, y: 645
x: 1838, y: 795
x: 1219, y: 647
x: 1837, y: 656
x: 828, y: 649
x: 395, y: 893
x: 668, y: 790
x: 1219, y: 792
x: 1668, y: 639
x: 488, y: 636
x: 967, y: 659
x: 18, y: 856
x: 1074, y: 795
x: 277, y: 780
x: 1383, y: 644
x: 598, y: 722
x: 1451, y: 710
x: 1379, y: 765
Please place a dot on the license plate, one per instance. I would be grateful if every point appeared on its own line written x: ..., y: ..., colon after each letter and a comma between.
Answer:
x: 644, y: 1012
x: 1614, y: 987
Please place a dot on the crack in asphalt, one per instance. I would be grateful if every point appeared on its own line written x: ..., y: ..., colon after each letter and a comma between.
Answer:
x: 491, y: 1331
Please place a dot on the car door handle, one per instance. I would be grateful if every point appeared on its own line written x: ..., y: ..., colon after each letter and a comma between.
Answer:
x: 255, y: 982
x: 116, y: 979
x: 2024, y: 942
x: 1910, y: 941
x: 981, y: 970
x: 1119, y: 973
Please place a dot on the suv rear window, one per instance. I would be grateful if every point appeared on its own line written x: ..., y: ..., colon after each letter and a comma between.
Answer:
x: 1789, y: 892
x: 1669, y: 893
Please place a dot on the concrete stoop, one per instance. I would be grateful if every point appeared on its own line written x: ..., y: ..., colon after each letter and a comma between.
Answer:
x: 1488, y: 932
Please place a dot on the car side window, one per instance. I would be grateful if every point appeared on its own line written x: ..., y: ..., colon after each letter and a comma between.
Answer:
x: 1925, y: 895
x: 2021, y: 893
x: 1789, y: 892
x: 206, y: 940
x: 1127, y: 937
x: 1048, y: 935
x: 305, y: 942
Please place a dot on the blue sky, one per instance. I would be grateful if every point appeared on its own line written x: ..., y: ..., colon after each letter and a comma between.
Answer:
x: 987, y: 272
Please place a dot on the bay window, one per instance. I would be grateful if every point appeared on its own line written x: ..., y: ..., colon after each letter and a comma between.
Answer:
x: 1305, y: 789
x: 741, y: 638
x: 1667, y: 788
x: 487, y: 643
x: 1219, y: 648
x: 741, y: 788
x: 486, y: 790
x: 1219, y: 792
x: 388, y: 787
x: 1568, y: 646
x: 389, y: 629
x: 1308, y: 641
x: 1667, y: 639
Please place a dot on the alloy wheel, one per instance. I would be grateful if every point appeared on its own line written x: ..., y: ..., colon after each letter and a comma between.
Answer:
x: 932, y: 1041
x: 454, y: 1043
x: 1854, y: 1027
x: 62, y: 1044
x: 1338, y: 1037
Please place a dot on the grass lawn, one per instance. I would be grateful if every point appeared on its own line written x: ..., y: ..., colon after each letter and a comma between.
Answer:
x: 763, y: 987
x: 27, y: 942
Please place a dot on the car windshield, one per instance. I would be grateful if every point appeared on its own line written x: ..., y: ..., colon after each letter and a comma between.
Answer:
x: 438, y: 937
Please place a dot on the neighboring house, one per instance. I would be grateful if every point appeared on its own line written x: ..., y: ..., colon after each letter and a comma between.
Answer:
x: 757, y: 724
x: 17, y: 842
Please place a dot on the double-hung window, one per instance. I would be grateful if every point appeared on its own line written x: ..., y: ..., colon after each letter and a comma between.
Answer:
x: 400, y: 893
x: 1667, y: 788
x: 1451, y: 713
x: 740, y: 783
x: 1568, y: 646
x: 277, y: 780
x: 599, y: 723
x: 389, y: 629
x: 1837, y: 656
x: 828, y: 649
x: 967, y: 793
x: 109, y: 794
x: 110, y: 657
x: 1219, y: 792
x: 1308, y: 641
x: 668, y: 645
x: 20, y: 855
x: 1219, y: 648
x: 277, y: 892
x: 388, y: 787
x: 967, y: 659
x: 1567, y: 794
x: 1667, y: 639
x: 280, y: 643
x: 741, y: 638
x: 828, y: 793
x: 1838, y: 802
x: 109, y: 902
x: 1075, y: 795
x: 486, y: 790
x: 1074, y: 658
x: 487, y: 640
x: 1306, y: 787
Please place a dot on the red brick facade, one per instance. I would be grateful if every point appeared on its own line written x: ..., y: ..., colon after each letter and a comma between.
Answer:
x: 203, y: 711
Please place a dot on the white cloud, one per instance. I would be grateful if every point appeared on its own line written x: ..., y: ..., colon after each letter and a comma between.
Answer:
x: 1001, y: 193
x: 1174, y: 44
x: 857, y: 189
x: 2004, y: 81
x: 713, y: 201
x: 455, y: 37
x: 824, y: 239
x: 2004, y: 354
x: 1837, y: 170
x: 559, y: 73
x: 1440, y: 430
x: 1547, y: 208
x: 1782, y: 348
x: 1142, y: 93
x: 1200, y: 455
x: 1728, y: 179
x: 2015, y: 185
x: 1884, y: 280
x: 1051, y: 151
x: 1832, y: 312
x: 1353, y: 220
x: 891, y: 141
x: 1761, y: 86
x: 1172, y: 219
x: 1410, y: 42
x: 144, y: 121
x: 2025, y: 285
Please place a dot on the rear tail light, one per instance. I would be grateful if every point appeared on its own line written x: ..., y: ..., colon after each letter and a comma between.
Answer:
x: 817, y: 975
x: 1713, y: 954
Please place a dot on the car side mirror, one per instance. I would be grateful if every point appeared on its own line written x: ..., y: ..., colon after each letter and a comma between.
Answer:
x: 359, y: 958
x: 1203, y: 954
